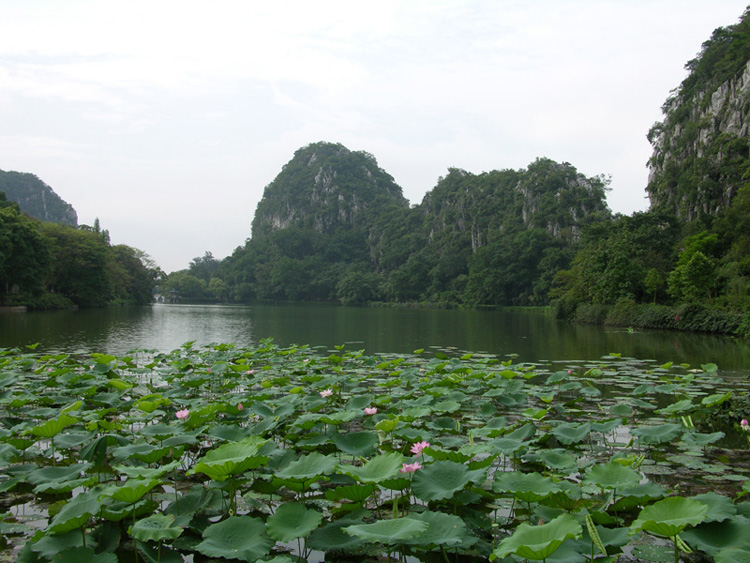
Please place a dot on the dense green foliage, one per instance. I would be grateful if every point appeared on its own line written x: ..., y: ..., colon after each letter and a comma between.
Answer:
x: 49, y: 265
x: 333, y: 226
x: 266, y: 454
x: 36, y: 198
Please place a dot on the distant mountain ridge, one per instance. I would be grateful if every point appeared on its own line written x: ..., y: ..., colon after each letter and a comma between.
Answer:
x: 36, y: 198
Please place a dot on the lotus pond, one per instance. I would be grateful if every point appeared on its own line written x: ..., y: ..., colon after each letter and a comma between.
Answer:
x: 301, y: 454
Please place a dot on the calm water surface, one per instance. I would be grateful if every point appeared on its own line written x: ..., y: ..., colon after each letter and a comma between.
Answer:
x: 533, y: 336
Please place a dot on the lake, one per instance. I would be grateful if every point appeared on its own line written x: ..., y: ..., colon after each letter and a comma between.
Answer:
x: 531, y: 335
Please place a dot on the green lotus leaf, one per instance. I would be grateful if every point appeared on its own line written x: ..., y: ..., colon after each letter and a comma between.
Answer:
x: 606, y: 426
x: 75, y: 513
x: 720, y: 508
x: 237, y: 537
x: 651, y: 435
x: 442, y: 479
x: 136, y: 472
x: 732, y: 555
x: 612, y: 475
x: 360, y: 402
x: 556, y: 459
x: 702, y: 440
x: 639, y: 494
x: 539, y: 542
x: 528, y: 487
x: 621, y: 409
x: 508, y: 446
x: 156, y: 527
x: 54, y: 426
x: 378, y: 468
x: 132, y: 490
x: 716, y: 399
x: 158, y: 553
x: 570, y: 433
x: 679, y: 407
x: 83, y: 555
x: 668, y: 517
x: 308, y: 466
x: 49, y: 545
x: 393, y: 531
x: 360, y: 444
x: 117, y: 510
x: 231, y: 459
x: 57, y: 474
x: 332, y: 537
x: 291, y: 521
x: 387, y: 425
x: 355, y: 493
x: 444, y: 530
x: 712, y: 537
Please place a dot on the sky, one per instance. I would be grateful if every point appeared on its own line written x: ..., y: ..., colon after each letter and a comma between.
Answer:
x: 167, y: 119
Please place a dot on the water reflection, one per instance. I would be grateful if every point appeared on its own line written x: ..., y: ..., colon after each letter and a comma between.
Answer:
x: 530, y: 335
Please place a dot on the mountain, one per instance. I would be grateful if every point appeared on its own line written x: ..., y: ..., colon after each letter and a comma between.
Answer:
x: 325, y: 187
x: 701, y: 147
x: 36, y: 198
x: 334, y: 226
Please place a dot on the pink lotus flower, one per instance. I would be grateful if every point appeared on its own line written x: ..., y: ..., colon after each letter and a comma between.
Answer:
x: 410, y: 467
x: 371, y: 410
x: 326, y: 393
x: 184, y: 413
x: 250, y: 372
x: 239, y: 406
x: 417, y: 448
x: 744, y: 423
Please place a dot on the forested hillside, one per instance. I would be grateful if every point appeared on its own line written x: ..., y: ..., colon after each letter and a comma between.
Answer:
x: 36, y: 198
x: 691, y: 251
x: 334, y: 226
x: 47, y: 265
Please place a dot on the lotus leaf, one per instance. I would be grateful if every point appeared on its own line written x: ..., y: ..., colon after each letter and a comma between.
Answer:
x: 715, y: 536
x: 612, y: 475
x: 231, y: 459
x: 309, y: 466
x: 442, y: 479
x: 444, y: 530
x: 570, y: 433
x: 291, y: 521
x: 132, y: 490
x: 356, y: 493
x: 359, y: 444
x: 237, y: 537
x: 54, y: 426
x: 668, y: 517
x: 528, y: 487
x: 75, y: 513
x: 156, y: 527
x: 83, y: 555
x: 539, y: 542
x: 393, y: 531
x: 651, y: 435
x: 733, y: 555
x: 680, y: 407
x: 720, y: 508
x: 378, y: 468
x: 332, y: 537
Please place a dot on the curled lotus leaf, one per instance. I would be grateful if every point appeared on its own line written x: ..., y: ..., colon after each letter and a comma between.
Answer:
x: 75, y: 513
x: 539, y: 542
x: 660, y: 434
x: 571, y: 433
x: 528, y: 487
x: 444, y: 530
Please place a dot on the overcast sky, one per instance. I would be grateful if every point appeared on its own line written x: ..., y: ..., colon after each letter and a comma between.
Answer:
x: 166, y: 119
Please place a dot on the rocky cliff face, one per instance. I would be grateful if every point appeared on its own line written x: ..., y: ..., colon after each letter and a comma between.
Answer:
x: 325, y: 187
x: 701, y: 150
x: 36, y: 198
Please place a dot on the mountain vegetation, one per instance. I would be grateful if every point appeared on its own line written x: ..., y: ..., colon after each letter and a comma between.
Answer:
x: 52, y: 265
x: 334, y: 226
x: 36, y: 198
